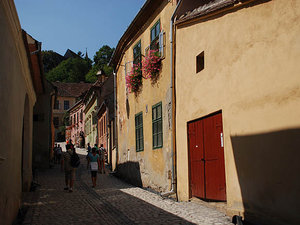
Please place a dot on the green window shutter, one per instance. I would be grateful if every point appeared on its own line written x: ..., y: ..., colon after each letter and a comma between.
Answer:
x: 157, y: 131
x: 139, y: 135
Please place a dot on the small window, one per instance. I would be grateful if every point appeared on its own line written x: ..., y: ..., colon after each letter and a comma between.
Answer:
x: 154, y: 36
x: 200, y: 62
x: 56, y: 104
x: 139, y: 136
x: 157, y: 134
x: 66, y: 105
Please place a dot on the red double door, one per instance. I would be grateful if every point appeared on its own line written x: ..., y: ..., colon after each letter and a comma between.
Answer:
x: 206, y: 158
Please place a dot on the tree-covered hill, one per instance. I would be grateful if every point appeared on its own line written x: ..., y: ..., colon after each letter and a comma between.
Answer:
x: 76, y: 69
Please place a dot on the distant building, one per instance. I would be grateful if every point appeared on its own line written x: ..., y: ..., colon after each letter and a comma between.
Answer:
x: 105, y: 119
x: 75, y: 130
x: 67, y: 95
x: 43, y: 129
x: 90, y: 101
x: 70, y: 54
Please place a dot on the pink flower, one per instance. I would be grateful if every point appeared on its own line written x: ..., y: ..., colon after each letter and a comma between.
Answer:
x: 134, y: 78
x: 151, y: 64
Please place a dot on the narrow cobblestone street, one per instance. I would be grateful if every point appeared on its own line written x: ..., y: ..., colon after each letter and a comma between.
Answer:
x: 111, y: 202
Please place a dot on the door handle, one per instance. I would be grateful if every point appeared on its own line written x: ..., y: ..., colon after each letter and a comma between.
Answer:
x: 203, y: 160
x: 222, y: 141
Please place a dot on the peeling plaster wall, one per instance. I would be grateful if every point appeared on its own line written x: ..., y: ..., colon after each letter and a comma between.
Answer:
x: 151, y: 167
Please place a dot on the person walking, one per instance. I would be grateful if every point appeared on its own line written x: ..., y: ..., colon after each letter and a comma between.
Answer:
x: 55, y: 154
x: 97, y: 149
x: 67, y: 168
x: 89, y: 152
x: 88, y: 147
x: 95, y: 165
x: 58, y: 153
x: 102, y: 151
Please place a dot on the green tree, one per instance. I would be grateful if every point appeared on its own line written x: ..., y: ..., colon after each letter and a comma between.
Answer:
x: 70, y: 70
x: 103, y: 55
x: 101, y: 59
x: 91, y: 77
x: 51, y: 60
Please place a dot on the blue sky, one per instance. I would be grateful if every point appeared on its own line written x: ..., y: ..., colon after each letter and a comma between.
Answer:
x: 77, y: 24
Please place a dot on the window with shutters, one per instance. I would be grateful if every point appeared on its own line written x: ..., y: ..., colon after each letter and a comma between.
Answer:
x: 162, y: 44
x: 137, y: 55
x: 157, y: 134
x: 154, y: 36
x: 139, y: 136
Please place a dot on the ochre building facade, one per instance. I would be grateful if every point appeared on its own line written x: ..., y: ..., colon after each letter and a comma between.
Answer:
x: 237, y: 88
x: 143, y: 157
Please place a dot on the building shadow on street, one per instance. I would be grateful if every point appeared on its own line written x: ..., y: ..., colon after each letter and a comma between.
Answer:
x: 268, y: 168
x: 130, y: 172
x: 107, y: 201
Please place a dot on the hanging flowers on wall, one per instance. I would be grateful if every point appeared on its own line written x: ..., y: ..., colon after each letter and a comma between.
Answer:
x: 134, y: 78
x: 151, y: 65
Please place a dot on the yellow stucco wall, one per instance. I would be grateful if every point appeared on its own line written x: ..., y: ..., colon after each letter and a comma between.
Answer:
x: 17, y: 98
x: 252, y: 74
x: 154, y: 165
x: 91, y: 134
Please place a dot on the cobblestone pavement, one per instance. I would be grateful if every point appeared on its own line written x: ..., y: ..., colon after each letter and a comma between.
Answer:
x: 111, y: 202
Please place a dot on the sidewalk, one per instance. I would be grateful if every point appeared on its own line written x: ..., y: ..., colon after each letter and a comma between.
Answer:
x: 111, y: 202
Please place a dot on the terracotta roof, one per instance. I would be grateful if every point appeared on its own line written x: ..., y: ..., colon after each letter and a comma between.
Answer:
x: 203, y: 8
x: 71, y: 89
x: 75, y: 105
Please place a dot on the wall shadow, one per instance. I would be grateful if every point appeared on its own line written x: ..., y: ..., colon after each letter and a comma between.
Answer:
x: 268, y: 172
x: 130, y: 172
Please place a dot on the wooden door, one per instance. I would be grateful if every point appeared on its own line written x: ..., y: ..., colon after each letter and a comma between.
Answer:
x: 195, y: 132
x: 206, y: 152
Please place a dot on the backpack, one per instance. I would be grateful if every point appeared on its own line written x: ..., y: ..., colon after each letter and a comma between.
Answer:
x: 75, y: 160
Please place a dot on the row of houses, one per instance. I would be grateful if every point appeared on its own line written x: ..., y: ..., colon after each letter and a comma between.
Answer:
x: 216, y: 115
x: 27, y: 133
x: 84, y: 113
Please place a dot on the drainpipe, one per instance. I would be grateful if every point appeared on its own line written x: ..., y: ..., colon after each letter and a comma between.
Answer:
x: 39, y: 44
x: 173, y: 150
x: 115, y: 119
